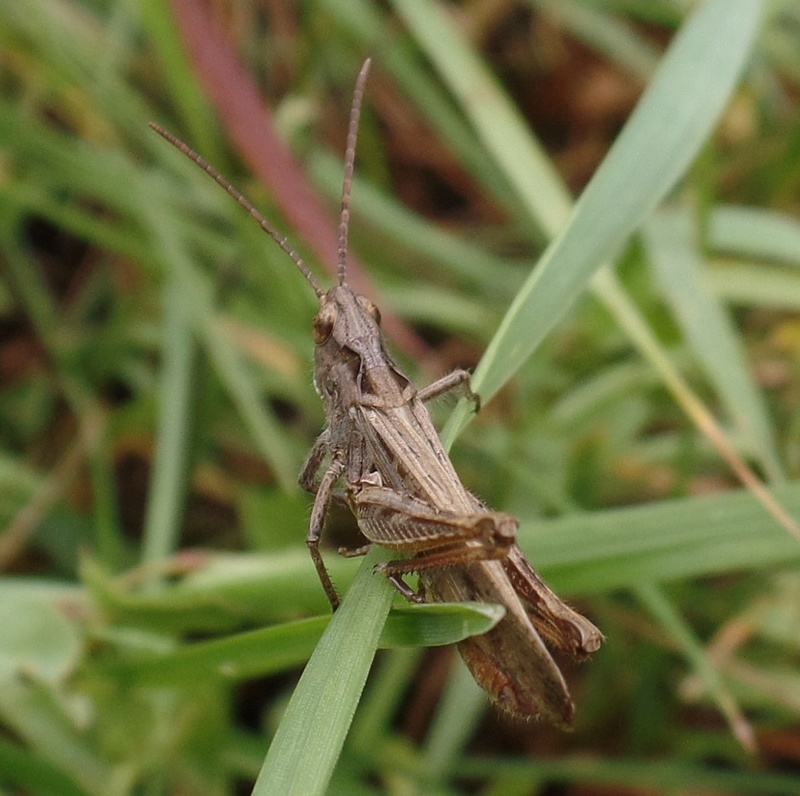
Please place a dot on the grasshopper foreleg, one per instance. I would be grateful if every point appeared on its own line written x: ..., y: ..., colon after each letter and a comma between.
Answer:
x: 457, y: 380
x: 319, y: 513
x: 313, y: 462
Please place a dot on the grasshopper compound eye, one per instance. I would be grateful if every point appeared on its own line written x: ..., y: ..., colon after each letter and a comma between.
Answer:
x: 323, y: 323
x: 374, y: 312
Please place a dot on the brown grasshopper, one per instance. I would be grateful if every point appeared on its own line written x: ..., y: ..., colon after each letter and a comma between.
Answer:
x: 380, y: 444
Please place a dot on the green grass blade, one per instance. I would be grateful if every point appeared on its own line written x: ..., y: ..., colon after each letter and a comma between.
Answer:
x: 755, y: 232
x: 230, y: 366
x: 709, y: 331
x: 309, y: 739
x: 33, y: 773
x: 269, y: 650
x: 692, y: 537
x: 669, y: 618
x: 495, y: 118
x: 757, y: 285
x: 665, y: 132
x: 168, y: 477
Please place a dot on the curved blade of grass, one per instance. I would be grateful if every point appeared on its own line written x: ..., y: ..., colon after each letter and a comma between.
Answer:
x: 673, y: 119
x: 669, y: 237
x: 605, y: 33
x: 267, y: 651
x: 658, y: 605
x: 439, y: 624
x: 664, y: 133
x: 757, y: 285
x: 755, y: 232
x: 629, y: 318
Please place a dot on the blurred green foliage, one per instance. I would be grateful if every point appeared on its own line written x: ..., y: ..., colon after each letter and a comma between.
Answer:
x: 156, y: 399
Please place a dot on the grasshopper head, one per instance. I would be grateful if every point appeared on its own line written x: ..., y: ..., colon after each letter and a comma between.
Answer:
x: 347, y: 318
x: 349, y: 345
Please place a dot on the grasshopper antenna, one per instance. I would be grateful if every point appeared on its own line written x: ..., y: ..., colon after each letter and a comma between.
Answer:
x: 349, y: 164
x: 242, y: 200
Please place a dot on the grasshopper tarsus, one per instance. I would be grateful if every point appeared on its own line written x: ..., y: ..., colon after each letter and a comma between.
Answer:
x: 354, y: 552
x: 322, y: 573
x: 476, y: 402
x: 402, y: 587
x: 387, y: 462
